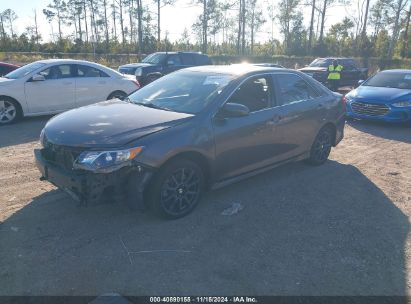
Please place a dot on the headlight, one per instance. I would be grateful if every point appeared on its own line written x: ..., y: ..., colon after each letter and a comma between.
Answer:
x: 138, y: 72
x: 106, y: 161
x: 402, y: 104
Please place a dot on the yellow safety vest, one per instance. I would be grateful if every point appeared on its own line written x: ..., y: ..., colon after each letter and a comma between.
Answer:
x: 334, y: 73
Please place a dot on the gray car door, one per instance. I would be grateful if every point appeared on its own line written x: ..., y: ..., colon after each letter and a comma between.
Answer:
x: 248, y: 142
x: 301, y: 112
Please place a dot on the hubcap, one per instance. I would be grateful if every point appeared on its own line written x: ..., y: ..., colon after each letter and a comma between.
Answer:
x: 180, y: 191
x: 7, y: 111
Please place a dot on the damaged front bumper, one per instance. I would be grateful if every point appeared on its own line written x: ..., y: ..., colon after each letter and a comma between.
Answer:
x: 126, y: 184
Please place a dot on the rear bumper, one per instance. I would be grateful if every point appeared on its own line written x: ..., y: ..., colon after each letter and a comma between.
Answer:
x: 394, y: 115
x: 127, y: 183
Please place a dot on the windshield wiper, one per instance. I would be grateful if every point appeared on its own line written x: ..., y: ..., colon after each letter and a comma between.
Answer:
x: 153, y: 106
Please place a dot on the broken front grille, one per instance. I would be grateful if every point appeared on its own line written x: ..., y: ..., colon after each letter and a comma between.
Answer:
x: 61, y: 156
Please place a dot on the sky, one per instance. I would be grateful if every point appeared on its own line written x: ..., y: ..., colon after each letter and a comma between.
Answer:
x: 174, y: 18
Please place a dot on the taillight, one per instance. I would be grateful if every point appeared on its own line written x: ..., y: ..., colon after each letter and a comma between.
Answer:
x: 344, y: 100
x: 136, y: 83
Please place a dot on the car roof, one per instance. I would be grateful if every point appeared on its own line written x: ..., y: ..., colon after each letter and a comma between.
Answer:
x: 268, y: 64
x: 396, y: 71
x: 54, y: 60
x: 338, y: 58
x: 181, y: 52
x: 75, y: 61
x: 235, y: 69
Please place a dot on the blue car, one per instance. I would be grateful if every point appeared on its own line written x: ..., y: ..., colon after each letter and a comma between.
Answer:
x: 385, y: 97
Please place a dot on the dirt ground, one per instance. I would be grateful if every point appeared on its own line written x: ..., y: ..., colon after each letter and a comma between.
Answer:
x: 338, y: 229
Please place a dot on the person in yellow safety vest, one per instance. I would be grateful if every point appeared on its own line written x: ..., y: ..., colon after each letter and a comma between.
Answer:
x: 334, y: 75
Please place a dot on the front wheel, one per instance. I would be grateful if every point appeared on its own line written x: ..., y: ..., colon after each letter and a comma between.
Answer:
x: 177, y: 189
x: 321, y: 148
x: 9, y: 111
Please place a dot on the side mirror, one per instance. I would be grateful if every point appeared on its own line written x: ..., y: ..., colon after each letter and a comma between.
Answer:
x: 360, y: 82
x: 38, y: 77
x: 231, y: 109
x: 170, y: 62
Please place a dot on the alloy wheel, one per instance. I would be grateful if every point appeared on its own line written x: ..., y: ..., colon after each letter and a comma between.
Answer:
x: 180, y: 191
x: 8, y: 111
x: 322, y: 146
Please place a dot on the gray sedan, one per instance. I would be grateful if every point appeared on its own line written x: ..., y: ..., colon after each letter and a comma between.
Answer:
x: 196, y: 129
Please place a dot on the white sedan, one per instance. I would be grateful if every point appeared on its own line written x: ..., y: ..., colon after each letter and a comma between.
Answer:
x: 55, y: 85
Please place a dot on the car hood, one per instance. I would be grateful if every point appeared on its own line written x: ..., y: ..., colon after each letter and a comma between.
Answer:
x: 136, y: 65
x: 313, y: 69
x: 379, y: 95
x: 109, y: 124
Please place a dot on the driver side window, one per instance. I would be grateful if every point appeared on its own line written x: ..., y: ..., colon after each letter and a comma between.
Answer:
x: 255, y: 93
x: 57, y: 72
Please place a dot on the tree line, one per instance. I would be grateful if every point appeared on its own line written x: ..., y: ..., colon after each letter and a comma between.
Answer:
x: 374, y: 28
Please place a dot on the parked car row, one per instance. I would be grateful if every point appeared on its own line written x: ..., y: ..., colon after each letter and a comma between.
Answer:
x: 162, y: 145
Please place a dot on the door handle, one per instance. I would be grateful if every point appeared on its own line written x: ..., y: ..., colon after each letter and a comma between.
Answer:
x: 67, y: 83
x: 101, y: 82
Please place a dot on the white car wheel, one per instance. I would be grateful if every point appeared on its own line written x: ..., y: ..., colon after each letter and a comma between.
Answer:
x: 8, y: 111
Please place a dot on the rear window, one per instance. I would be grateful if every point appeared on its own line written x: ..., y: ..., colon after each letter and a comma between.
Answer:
x: 127, y: 70
x: 89, y: 72
x: 390, y: 80
x: 292, y: 88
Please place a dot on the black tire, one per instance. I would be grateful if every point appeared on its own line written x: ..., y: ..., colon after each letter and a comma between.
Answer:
x: 117, y: 94
x: 176, y: 189
x: 10, y: 111
x: 321, y: 147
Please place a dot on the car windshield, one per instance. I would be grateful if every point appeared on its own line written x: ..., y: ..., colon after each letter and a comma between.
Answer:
x: 154, y: 58
x: 320, y: 63
x: 24, y: 70
x: 390, y: 80
x: 187, y: 92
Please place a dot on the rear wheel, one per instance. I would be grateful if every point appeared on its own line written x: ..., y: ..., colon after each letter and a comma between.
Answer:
x: 117, y: 94
x: 177, y: 189
x: 321, y: 148
x: 10, y: 111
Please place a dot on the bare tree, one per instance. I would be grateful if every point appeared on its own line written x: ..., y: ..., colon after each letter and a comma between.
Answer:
x: 10, y: 16
x: 287, y: 13
x: 120, y: 7
x: 397, y: 7
x: 404, y: 48
x: 311, y: 31
x: 58, y: 7
x: 106, y: 22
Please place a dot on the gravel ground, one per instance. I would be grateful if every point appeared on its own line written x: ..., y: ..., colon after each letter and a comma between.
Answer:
x: 338, y: 229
